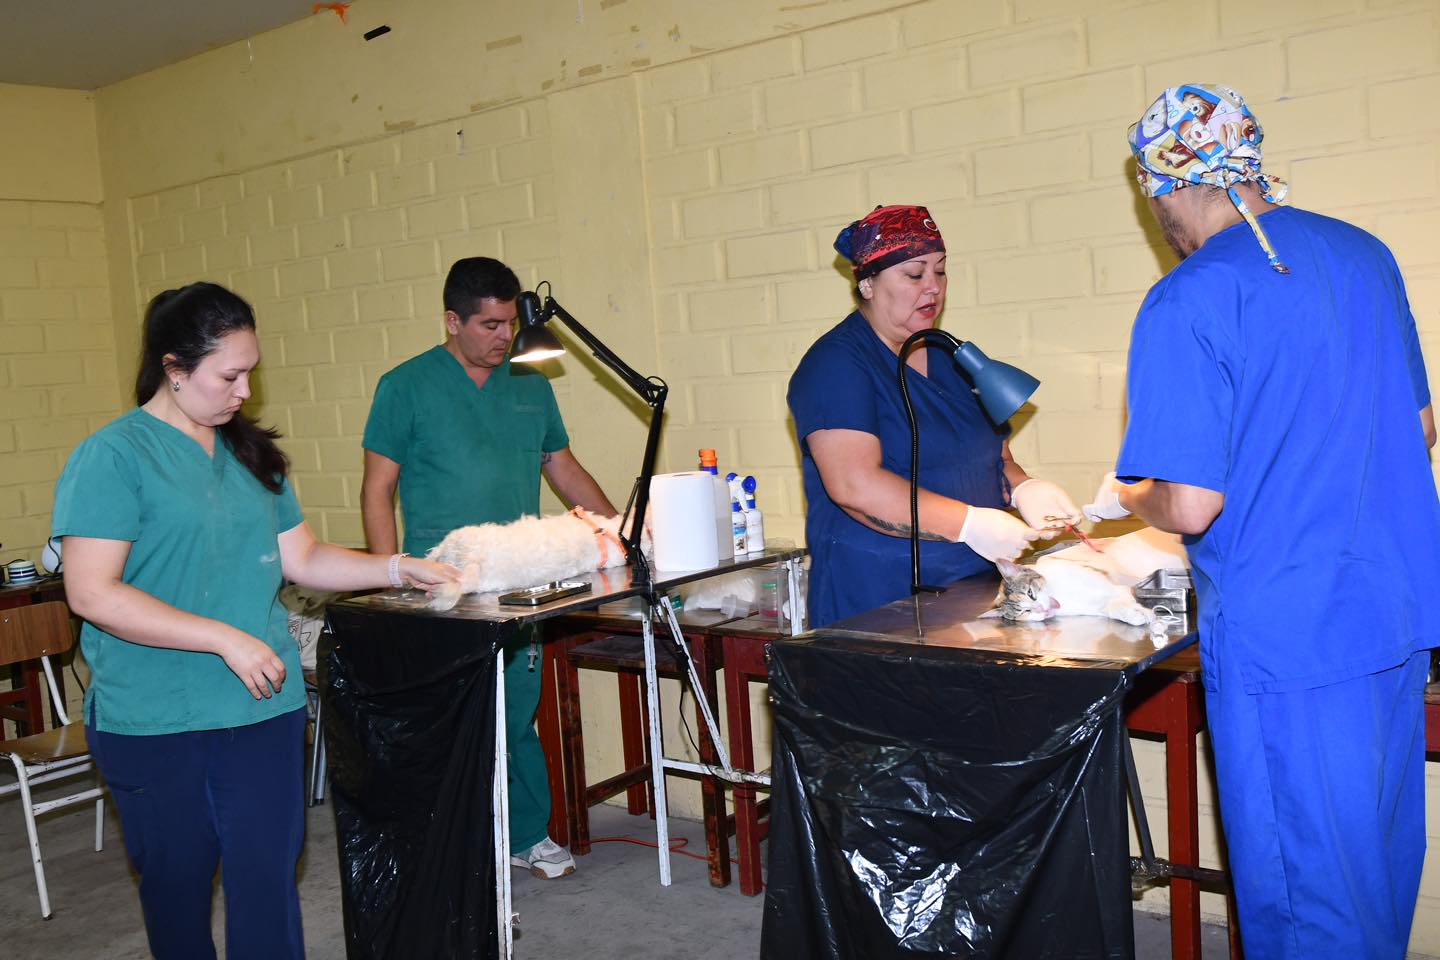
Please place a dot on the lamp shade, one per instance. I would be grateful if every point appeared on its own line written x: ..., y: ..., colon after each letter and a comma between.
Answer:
x: 1002, y: 388
x: 534, y: 342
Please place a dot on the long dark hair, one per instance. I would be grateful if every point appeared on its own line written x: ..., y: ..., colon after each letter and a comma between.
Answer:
x: 187, y: 325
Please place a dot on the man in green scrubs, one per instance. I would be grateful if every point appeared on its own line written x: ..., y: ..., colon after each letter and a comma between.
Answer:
x: 465, y: 436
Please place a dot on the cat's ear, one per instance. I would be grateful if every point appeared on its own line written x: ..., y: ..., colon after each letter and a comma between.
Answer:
x: 1007, y: 568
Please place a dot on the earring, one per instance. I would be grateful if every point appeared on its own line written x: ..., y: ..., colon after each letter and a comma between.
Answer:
x: 175, y: 385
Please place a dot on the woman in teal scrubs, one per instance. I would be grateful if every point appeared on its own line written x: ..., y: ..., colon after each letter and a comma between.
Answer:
x: 179, y: 524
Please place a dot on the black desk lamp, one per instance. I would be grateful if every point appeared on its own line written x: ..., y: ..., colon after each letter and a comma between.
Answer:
x: 1001, y: 388
x: 534, y: 342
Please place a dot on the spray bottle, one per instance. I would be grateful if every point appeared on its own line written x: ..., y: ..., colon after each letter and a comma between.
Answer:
x: 754, y: 519
x: 737, y: 512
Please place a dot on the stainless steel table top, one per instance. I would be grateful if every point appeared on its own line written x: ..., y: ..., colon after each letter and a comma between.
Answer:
x: 951, y: 620
x: 616, y: 583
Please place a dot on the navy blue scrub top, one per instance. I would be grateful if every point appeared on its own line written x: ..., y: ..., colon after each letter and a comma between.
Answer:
x: 847, y: 381
x: 1296, y: 396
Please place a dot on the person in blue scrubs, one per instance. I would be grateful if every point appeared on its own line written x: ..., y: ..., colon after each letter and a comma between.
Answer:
x: 178, y: 524
x: 855, y: 438
x: 1280, y: 419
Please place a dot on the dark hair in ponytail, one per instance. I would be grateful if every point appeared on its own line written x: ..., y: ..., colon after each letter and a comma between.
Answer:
x: 186, y: 326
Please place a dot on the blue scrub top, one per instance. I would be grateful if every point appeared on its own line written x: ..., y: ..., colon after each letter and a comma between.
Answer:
x: 847, y: 381
x: 1297, y: 397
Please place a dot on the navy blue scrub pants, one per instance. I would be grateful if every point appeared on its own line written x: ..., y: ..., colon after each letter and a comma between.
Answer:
x: 1322, y: 794
x: 190, y: 802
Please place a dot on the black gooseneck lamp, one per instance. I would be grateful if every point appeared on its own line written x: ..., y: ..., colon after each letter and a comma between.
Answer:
x: 535, y: 342
x: 1001, y: 389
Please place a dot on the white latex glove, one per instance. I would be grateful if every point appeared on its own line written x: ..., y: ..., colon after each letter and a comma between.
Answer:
x: 1044, y: 506
x: 995, y: 534
x: 1106, y: 505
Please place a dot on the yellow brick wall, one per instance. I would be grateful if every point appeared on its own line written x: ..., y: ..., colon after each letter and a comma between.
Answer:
x: 57, y: 342
x: 687, y: 167
x: 343, y: 255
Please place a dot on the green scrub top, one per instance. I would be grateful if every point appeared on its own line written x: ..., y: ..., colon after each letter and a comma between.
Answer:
x: 467, y: 454
x: 203, y: 534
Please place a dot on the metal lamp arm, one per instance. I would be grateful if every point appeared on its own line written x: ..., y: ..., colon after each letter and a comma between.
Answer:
x: 954, y: 344
x: 653, y: 392
x: 649, y: 390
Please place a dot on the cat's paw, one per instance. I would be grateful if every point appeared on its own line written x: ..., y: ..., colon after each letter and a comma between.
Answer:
x: 1131, y: 613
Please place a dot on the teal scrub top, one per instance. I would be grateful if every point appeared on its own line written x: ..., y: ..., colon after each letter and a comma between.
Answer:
x: 204, y: 538
x: 467, y: 454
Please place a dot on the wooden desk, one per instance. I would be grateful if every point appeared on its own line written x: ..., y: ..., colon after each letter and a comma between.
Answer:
x: 24, y: 704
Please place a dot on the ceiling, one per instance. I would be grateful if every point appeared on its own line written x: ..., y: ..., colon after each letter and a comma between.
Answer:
x: 85, y: 44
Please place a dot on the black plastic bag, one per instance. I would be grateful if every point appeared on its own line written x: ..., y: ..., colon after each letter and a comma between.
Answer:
x: 409, y: 718
x: 933, y: 801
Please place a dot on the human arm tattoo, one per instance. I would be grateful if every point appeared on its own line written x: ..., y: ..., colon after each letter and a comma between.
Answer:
x: 901, y: 529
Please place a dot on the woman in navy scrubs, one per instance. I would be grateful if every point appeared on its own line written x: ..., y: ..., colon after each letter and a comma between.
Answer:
x: 855, y: 439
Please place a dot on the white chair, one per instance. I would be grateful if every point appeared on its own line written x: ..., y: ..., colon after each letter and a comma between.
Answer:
x: 39, y: 632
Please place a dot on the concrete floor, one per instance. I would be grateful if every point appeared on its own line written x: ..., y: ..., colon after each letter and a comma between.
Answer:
x: 611, y: 908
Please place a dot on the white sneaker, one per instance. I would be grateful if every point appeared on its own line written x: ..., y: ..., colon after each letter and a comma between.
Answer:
x: 546, y: 860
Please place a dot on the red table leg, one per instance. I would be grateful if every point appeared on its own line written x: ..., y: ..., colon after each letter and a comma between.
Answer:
x: 547, y: 723
x: 712, y: 792
x: 742, y: 755
x: 567, y: 684
x: 633, y: 732
x: 1181, y: 791
x: 1171, y: 708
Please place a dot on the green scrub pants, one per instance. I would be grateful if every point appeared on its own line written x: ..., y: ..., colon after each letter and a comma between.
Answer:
x: 529, y: 781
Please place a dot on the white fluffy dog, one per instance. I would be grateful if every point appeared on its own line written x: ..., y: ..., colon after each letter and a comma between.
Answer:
x: 526, y: 552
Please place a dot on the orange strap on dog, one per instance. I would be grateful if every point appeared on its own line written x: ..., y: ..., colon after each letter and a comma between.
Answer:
x: 600, y: 532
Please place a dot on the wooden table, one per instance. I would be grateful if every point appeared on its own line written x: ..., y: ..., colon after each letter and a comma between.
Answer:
x: 24, y: 703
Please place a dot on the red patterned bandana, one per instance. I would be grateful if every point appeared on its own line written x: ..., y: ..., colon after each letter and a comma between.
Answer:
x: 889, y: 235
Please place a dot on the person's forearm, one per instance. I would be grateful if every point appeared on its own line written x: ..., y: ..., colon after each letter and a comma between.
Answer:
x: 325, y: 566
x: 574, y: 484
x: 881, y: 501
x: 1170, y: 507
x: 585, y: 492
x: 377, y: 513
x: 1014, y: 473
x: 134, y: 615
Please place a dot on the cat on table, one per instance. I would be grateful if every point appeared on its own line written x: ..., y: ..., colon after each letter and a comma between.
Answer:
x: 1079, y: 581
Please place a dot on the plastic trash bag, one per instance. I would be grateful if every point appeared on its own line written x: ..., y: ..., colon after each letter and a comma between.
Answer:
x: 409, y: 707
x: 930, y: 801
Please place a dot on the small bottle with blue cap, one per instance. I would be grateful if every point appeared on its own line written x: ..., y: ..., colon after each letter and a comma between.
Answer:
x: 754, y: 519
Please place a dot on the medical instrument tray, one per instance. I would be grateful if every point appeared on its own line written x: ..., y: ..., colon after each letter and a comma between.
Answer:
x: 1167, y: 588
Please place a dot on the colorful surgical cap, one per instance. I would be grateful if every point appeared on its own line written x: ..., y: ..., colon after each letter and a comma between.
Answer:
x: 1204, y: 133
x: 887, y: 236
